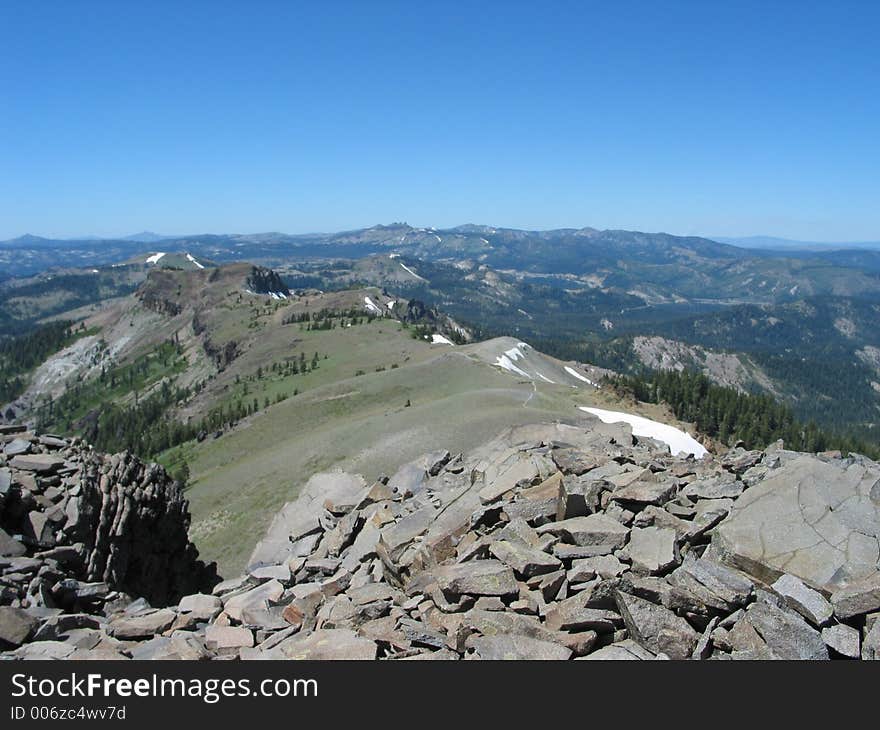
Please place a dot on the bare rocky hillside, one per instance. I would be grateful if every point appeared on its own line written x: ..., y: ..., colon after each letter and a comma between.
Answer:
x: 549, y: 542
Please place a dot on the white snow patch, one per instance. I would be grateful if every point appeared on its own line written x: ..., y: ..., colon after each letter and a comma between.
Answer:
x: 574, y: 373
x: 678, y: 441
x: 503, y: 361
x: 190, y: 258
x: 371, y: 306
x: 440, y: 340
x: 391, y: 304
x: 393, y: 255
x: 409, y: 270
x: 545, y: 378
x: 154, y: 259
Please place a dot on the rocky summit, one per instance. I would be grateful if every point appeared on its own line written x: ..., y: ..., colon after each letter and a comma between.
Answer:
x: 548, y: 542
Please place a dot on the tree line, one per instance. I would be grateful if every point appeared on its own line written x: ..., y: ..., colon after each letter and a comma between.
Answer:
x: 729, y: 415
x: 19, y: 355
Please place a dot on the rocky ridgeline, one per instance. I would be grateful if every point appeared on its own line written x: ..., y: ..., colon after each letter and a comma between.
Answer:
x: 83, y: 534
x: 550, y: 542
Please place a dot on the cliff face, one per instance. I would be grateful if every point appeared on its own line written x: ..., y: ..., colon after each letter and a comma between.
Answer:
x: 79, y: 528
x: 261, y: 280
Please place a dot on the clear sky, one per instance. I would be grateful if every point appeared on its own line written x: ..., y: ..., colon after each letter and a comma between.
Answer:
x: 731, y: 118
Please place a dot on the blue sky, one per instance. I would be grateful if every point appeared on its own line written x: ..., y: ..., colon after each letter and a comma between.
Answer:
x: 691, y: 118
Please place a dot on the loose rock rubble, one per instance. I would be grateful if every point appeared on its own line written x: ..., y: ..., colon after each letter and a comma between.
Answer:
x: 550, y: 542
x: 83, y: 533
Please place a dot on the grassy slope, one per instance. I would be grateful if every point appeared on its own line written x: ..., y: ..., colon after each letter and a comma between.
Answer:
x: 358, y: 423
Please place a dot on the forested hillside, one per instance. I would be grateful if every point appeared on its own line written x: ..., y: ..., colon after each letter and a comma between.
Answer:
x: 729, y: 416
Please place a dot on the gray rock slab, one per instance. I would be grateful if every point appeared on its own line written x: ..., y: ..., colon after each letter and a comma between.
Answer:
x: 859, y: 597
x: 526, y: 562
x: 595, y: 529
x: 300, y: 517
x: 655, y: 628
x: 786, y: 634
x: 476, y: 578
x: 843, y: 639
x: 506, y: 647
x: 652, y: 549
x: 810, y: 604
x: 817, y: 520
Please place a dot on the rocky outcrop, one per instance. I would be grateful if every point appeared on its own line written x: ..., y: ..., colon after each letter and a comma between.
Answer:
x: 550, y: 542
x: 80, y: 531
x: 261, y: 280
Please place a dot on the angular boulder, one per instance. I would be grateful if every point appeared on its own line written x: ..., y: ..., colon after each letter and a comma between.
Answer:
x: 815, y: 519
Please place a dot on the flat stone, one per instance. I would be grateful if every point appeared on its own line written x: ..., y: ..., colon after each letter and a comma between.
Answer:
x: 326, y: 644
x: 522, y: 471
x: 652, y: 549
x: 200, y: 607
x: 646, y: 491
x: 397, y: 537
x: 45, y: 650
x: 810, y: 604
x: 659, y: 517
x: 17, y: 446
x: 714, y: 488
x: 712, y: 583
x: 568, y: 616
x: 506, y: 623
x: 16, y: 627
x: 533, y: 511
x: 628, y: 476
x: 301, y: 517
x: 595, y: 529
x: 843, y: 639
x: 228, y: 637
x: 409, y: 479
x: 270, y: 572
x: 444, y: 655
x: 786, y: 634
x: 858, y: 597
x: 814, y: 519
x: 655, y: 628
x: 605, y: 566
x: 142, y: 626
x: 39, y: 463
x: 577, y: 552
x: 60, y: 627
x: 476, y: 578
x: 515, y: 647
x: 526, y: 562
x: 626, y: 650
x: 255, y: 598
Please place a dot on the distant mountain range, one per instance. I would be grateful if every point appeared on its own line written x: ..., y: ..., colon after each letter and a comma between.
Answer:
x: 780, y: 244
x: 797, y: 323
x: 771, y: 243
